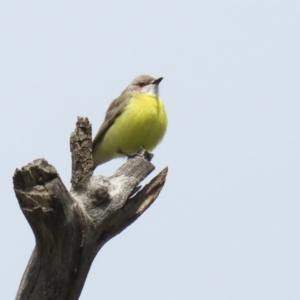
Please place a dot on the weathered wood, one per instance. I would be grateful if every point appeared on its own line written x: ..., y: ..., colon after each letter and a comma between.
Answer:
x: 71, y: 227
x: 81, y: 149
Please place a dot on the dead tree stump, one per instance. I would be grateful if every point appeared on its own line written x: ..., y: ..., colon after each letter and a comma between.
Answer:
x: 71, y: 227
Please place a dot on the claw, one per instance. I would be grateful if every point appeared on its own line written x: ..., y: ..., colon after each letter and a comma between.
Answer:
x: 141, y: 152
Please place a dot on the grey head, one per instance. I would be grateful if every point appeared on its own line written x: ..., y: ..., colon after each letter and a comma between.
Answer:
x: 144, y: 84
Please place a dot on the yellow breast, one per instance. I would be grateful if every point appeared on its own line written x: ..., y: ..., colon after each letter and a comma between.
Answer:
x: 142, y: 123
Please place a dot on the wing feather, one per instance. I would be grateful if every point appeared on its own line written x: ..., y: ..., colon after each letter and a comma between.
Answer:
x: 113, y: 112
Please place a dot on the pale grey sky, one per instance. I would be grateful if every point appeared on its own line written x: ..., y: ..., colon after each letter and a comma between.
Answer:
x: 226, y: 225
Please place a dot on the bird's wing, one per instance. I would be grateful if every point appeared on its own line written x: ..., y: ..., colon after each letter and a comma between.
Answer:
x: 114, y: 110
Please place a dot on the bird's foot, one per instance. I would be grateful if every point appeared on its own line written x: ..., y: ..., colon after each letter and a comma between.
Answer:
x: 141, y: 152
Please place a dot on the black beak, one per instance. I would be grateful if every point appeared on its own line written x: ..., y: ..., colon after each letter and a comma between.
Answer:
x: 158, y: 80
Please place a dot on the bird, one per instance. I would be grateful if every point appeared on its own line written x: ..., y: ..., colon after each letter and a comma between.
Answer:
x: 137, y: 118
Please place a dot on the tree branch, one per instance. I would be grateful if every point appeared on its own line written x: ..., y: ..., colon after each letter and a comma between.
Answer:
x: 71, y: 227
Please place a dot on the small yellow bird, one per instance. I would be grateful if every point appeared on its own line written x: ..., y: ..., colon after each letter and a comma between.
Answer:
x: 137, y: 118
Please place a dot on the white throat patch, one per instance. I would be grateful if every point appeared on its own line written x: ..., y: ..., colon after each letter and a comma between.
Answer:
x: 151, y: 89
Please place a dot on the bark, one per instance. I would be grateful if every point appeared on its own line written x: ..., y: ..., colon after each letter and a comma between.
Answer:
x: 71, y: 227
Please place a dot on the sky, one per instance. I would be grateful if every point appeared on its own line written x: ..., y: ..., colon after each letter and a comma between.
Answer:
x: 226, y: 224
